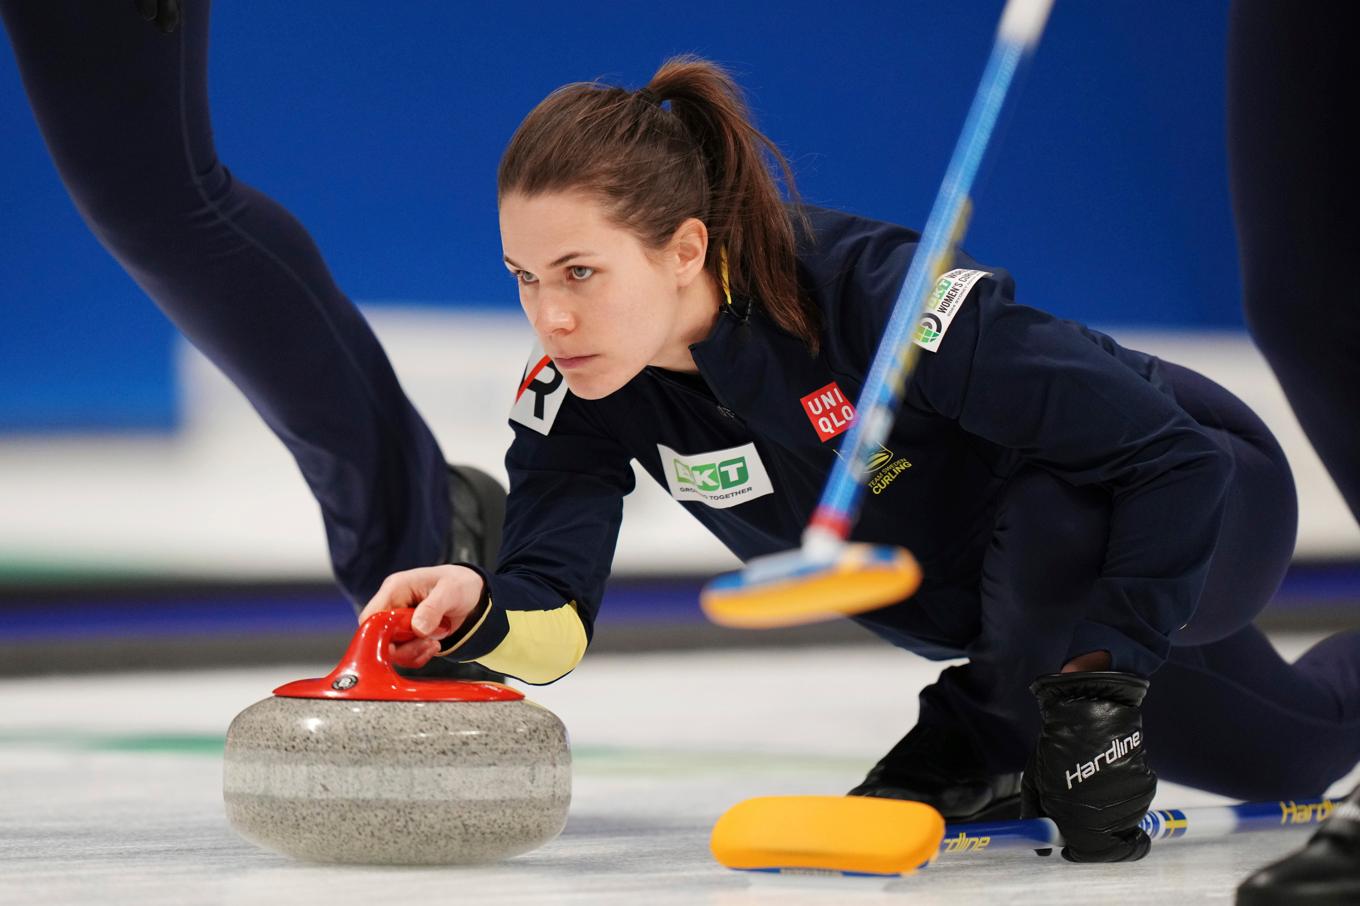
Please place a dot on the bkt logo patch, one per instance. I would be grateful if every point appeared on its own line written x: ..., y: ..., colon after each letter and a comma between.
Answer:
x: 829, y: 411
x: 542, y: 390
x: 714, y: 476
x: 720, y: 478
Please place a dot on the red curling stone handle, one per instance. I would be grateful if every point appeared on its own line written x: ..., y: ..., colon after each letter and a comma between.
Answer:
x: 366, y: 673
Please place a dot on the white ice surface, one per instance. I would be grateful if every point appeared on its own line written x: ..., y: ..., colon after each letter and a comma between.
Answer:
x: 110, y: 793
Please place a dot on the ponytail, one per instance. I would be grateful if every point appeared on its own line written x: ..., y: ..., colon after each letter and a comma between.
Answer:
x: 654, y: 168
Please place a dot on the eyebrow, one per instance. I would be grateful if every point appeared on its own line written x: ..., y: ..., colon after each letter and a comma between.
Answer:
x: 558, y: 263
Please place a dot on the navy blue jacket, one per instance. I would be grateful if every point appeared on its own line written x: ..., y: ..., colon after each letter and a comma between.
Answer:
x: 1009, y: 385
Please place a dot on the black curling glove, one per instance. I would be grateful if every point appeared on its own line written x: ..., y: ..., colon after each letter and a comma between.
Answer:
x: 1089, y: 770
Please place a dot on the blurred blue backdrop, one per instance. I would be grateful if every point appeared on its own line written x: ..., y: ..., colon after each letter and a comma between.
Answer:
x: 380, y: 126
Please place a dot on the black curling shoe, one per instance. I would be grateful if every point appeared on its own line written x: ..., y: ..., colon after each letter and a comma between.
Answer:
x: 1326, y: 871
x: 477, y: 502
x: 935, y: 765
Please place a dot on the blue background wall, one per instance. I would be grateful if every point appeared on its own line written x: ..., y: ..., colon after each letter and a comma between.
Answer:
x: 380, y: 127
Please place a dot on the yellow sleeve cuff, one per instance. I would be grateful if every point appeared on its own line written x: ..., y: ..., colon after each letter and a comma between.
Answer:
x: 540, y: 646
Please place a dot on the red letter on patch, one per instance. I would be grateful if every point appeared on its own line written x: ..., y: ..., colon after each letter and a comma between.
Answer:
x: 829, y: 411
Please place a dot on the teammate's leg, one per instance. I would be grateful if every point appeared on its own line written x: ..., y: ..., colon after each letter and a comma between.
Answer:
x: 1291, y: 91
x: 124, y: 111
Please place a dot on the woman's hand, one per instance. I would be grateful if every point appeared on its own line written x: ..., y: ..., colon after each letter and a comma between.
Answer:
x: 443, y: 596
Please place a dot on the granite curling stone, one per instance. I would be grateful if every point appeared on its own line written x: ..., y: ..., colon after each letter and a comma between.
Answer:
x: 367, y: 766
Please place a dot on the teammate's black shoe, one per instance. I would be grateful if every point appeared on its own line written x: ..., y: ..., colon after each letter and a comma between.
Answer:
x: 478, y: 504
x: 1325, y: 871
x: 937, y: 766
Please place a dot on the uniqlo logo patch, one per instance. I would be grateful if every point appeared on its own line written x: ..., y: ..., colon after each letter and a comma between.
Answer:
x: 829, y: 411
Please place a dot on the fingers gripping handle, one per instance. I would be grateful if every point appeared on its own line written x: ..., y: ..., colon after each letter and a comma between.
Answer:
x: 366, y: 673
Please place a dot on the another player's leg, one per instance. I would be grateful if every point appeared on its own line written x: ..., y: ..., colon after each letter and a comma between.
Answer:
x: 123, y: 108
x: 1295, y: 184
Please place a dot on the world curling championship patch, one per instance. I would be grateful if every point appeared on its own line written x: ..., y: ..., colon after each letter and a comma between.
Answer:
x: 542, y: 390
x: 945, y: 302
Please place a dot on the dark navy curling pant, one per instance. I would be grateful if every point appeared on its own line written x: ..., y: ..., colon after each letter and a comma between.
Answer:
x: 1294, y: 169
x: 1225, y: 713
x: 124, y: 111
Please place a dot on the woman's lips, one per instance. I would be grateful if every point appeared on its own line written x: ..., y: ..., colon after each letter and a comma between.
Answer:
x: 570, y: 362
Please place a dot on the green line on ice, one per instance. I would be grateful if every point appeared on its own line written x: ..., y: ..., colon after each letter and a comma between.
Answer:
x: 587, y: 759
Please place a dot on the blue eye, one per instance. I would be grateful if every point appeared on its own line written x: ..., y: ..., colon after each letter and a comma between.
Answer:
x: 525, y: 277
x: 580, y: 272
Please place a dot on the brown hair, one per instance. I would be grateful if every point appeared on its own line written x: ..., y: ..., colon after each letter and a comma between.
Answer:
x: 654, y: 168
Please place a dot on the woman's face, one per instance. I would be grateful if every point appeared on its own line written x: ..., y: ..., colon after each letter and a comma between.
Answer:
x: 604, y: 305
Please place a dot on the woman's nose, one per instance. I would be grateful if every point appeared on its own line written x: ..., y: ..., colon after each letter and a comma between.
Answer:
x: 554, y: 315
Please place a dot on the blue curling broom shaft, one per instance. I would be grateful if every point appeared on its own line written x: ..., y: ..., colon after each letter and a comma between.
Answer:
x: 1160, y: 824
x: 1020, y: 29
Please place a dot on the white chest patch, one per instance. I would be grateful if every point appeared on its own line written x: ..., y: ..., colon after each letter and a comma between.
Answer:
x: 542, y: 390
x: 944, y: 303
x: 719, y: 478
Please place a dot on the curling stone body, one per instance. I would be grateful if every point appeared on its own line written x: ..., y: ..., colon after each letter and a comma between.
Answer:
x: 416, y: 783
x: 365, y: 766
